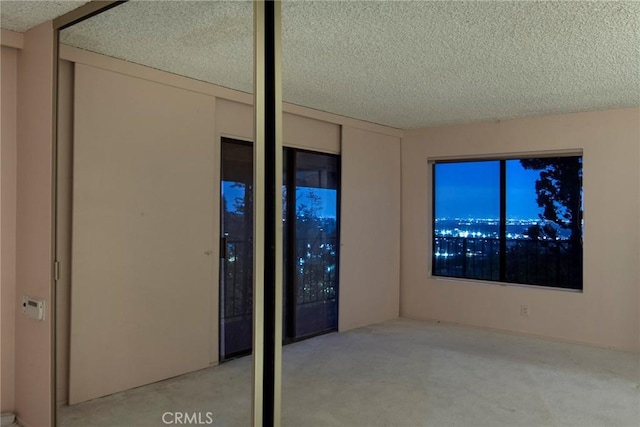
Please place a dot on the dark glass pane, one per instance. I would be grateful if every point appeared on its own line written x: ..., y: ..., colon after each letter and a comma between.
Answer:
x: 286, y: 318
x: 467, y: 220
x: 316, y: 243
x: 544, y: 221
x: 310, y: 239
x: 236, y: 287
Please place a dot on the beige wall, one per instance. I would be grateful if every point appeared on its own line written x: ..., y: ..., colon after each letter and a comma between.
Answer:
x: 8, y: 158
x: 144, y: 271
x: 310, y: 134
x: 33, y: 388
x: 63, y: 244
x: 235, y: 119
x: 112, y: 64
x: 369, y: 228
x: 607, y: 312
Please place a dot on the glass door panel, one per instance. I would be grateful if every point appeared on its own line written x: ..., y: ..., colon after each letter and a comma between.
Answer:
x: 236, y: 249
x: 314, y: 282
x: 310, y: 218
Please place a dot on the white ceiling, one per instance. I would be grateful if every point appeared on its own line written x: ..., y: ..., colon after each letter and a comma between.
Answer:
x: 21, y: 16
x: 402, y: 64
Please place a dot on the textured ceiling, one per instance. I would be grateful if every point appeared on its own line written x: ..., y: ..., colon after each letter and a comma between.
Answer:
x: 207, y: 40
x: 22, y: 15
x: 403, y: 64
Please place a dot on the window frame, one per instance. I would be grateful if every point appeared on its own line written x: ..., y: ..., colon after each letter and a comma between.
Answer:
x: 503, y: 256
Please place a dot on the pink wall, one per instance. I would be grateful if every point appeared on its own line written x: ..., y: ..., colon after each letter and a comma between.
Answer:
x: 607, y: 313
x: 125, y: 133
x: 369, y: 228
x: 8, y: 157
x: 33, y: 374
x: 64, y: 223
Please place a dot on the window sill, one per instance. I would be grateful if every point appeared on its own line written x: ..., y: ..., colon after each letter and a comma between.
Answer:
x: 503, y: 284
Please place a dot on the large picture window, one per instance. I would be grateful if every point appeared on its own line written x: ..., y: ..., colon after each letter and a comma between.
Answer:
x: 509, y: 220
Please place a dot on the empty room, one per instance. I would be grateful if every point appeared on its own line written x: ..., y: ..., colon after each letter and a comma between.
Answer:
x: 320, y: 213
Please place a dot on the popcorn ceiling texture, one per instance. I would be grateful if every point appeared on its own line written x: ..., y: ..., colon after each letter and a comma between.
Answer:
x: 411, y: 64
x: 21, y: 16
x: 402, y: 64
x: 206, y: 40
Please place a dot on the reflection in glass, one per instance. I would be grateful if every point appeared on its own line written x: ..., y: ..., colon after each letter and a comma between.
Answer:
x: 315, y: 280
x: 138, y: 161
x: 236, y: 274
x: 310, y: 236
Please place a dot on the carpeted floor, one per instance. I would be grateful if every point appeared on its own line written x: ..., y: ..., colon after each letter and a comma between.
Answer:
x: 399, y: 373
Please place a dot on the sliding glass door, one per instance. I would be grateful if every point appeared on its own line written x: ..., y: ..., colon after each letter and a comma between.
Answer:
x: 312, y: 244
x: 311, y: 226
x: 236, y: 248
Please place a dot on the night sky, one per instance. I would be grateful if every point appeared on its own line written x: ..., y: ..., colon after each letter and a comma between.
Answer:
x: 327, y: 209
x: 472, y: 190
x: 464, y: 190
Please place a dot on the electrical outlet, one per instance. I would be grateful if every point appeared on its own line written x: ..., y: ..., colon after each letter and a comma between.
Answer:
x: 524, y: 310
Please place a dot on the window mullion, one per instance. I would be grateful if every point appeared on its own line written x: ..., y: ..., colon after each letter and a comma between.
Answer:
x: 433, y: 219
x: 503, y: 220
x: 292, y: 247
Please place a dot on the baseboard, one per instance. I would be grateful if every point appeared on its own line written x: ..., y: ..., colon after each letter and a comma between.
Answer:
x: 7, y: 419
x: 522, y: 334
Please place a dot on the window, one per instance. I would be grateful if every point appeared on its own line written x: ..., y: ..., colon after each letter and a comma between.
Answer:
x: 514, y: 221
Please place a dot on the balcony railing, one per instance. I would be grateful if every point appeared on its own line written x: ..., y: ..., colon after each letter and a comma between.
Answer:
x: 316, y: 270
x: 238, y: 280
x: 555, y: 263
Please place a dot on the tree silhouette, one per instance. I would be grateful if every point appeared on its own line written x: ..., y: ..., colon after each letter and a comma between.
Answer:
x: 316, y: 248
x: 536, y: 232
x: 559, y: 191
x: 559, y: 194
x: 308, y: 211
